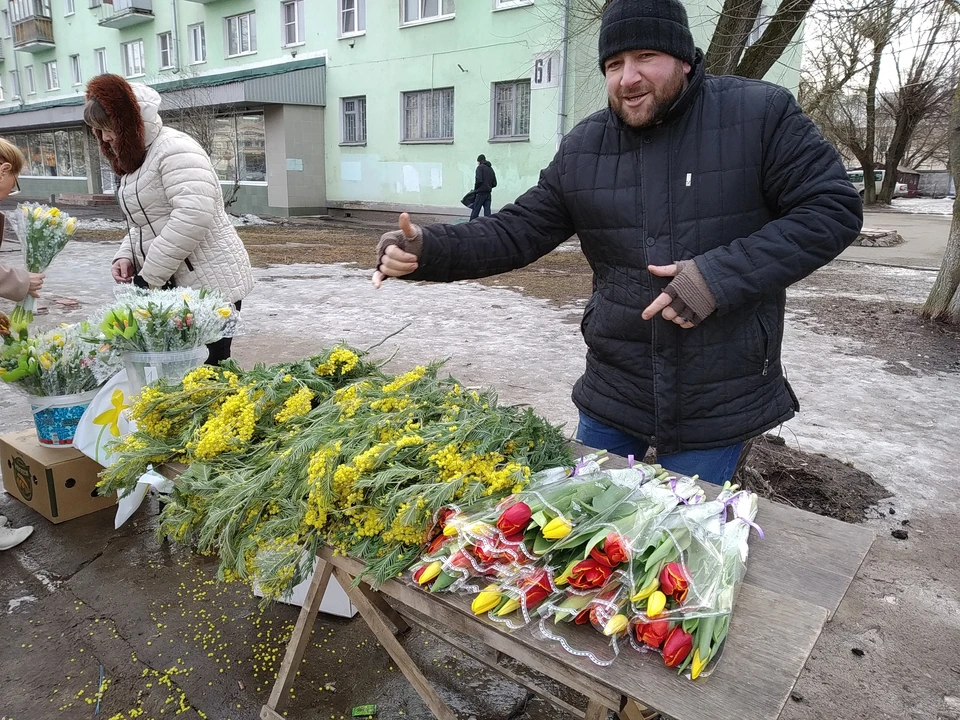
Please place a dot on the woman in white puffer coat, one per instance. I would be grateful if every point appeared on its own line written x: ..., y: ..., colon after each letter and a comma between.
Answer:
x: 180, y: 234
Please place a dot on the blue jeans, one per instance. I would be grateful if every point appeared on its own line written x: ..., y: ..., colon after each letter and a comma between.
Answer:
x: 482, y: 202
x: 714, y: 466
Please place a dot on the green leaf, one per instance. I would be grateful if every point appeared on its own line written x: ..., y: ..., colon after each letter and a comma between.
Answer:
x: 540, y: 519
x: 594, y: 541
x: 443, y: 581
x: 541, y: 545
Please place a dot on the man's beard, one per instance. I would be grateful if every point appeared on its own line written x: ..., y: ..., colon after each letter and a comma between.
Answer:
x: 649, y: 115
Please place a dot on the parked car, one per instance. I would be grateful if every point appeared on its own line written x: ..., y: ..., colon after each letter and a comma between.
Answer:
x: 856, y: 179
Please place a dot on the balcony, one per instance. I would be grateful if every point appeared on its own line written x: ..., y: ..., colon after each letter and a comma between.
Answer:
x: 124, y: 13
x: 203, y: 2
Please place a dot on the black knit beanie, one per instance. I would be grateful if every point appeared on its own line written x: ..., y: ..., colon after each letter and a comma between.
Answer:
x: 659, y: 25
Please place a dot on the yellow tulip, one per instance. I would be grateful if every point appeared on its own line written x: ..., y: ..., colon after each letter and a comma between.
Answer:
x: 223, y: 312
x: 508, y: 607
x: 430, y: 572
x: 37, y: 212
x: 486, y: 601
x: 54, y: 212
x: 556, y: 529
x: 616, y: 625
x: 71, y: 226
x: 646, y: 592
x: 656, y: 603
x: 564, y: 577
x: 696, y: 667
x: 450, y: 530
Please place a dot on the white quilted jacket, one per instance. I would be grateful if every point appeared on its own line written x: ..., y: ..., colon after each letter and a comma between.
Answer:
x: 179, y: 229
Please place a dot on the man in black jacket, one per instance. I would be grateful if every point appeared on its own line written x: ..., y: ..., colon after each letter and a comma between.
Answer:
x: 697, y: 201
x: 486, y: 181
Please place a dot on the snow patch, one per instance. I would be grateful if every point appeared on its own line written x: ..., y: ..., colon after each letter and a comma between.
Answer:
x: 17, y: 602
x: 101, y: 224
x: 923, y: 206
x: 248, y: 219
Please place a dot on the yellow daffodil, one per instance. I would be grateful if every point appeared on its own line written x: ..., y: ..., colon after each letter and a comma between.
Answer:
x: 111, y: 418
x: 486, y: 601
x: 656, y: 603
x: 71, y: 226
x: 556, y: 529
x: 224, y: 312
x: 616, y: 625
x: 647, y: 591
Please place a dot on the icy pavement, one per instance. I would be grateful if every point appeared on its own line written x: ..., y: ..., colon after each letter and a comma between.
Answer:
x: 923, y: 206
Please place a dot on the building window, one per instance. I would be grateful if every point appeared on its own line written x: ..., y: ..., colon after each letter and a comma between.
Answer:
x: 239, y: 148
x: 353, y: 17
x: 15, y: 83
x: 25, y: 9
x: 428, y: 115
x: 52, y: 154
x: 75, y: 76
x: 100, y: 58
x: 353, y: 120
x: 511, y: 110
x: 68, y: 8
x: 31, y: 80
x: 764, y: 14
x: 506, y: 4
x: 133, y: 58
x: 165, y: 45
x: 1, y: 91
x: 50, y: 72
x: 420, y: 10
x: 241, y: 32
x: 7, y: 29
x: 291, y: 14
x: 198, y: 43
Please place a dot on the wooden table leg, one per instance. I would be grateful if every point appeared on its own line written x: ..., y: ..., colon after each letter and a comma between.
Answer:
x: 300, y: 638
x: 632, y: 710
x: 384, y: 635
x: 383, y: 606
x: 595, y: 710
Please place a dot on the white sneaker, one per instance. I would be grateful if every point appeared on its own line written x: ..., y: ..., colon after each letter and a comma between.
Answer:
x: 3, y: 520
x: 11, y: 537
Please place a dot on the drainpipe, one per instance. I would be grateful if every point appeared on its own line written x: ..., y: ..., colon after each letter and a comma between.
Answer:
x: 562, y: 103
x: 175, y: 36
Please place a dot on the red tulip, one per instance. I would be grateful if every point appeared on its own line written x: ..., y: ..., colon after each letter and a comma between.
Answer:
x: 460, y: 560
x: 589, y: 574
x: 514, y: 519
x: 443, y: 515
x: 615, y: 549
x: 536, y: 589
x: 437, y: 543
x: 652, y: 634
x: 583, y: 617
x: 674, y: 581
x: 676, y: 647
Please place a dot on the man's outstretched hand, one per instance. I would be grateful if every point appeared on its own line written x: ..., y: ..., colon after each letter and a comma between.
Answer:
x: 687, y: 300
x: 398, y: 251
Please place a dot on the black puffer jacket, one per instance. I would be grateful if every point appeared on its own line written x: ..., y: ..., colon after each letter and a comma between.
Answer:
x: 736, y: 178
x: 486, y: 179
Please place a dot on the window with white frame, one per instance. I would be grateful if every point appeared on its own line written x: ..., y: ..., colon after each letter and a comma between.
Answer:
x: 68, y: 8
x: 1, y: 91
x: 198, y: 43
x: 511, y: 110
x: 31, y: 80
x: 15, y: 83
x: 133, y: 65
x: 506, y: 4
x: 76, y: 77
x: 7, y: 29
x: 241, y: 34
x: 291, y: 16
x: 50, y: 73
x: 428, y: 115
x: 165, y: 46
x: 419, y: 10
x: 353, y: 17
x: 764, y: 14
x: 25, y: 9
x: 100, y: 60
x: 353, y: 120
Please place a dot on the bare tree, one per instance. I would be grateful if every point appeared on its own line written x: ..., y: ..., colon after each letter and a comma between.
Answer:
x: 922, y: 89
x: 943, y: 302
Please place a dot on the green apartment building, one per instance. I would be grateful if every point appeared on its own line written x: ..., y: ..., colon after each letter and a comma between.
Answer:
x: 314, y: 106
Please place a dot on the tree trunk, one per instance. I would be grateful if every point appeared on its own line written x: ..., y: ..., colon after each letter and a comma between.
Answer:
x: 944, y: 300
x: 905, y: 127
x: 869, y: 181
x: 736, y: 20
x: 760, y: 57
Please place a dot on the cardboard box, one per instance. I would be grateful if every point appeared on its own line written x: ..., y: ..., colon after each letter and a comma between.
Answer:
x: 335, y: 600
x: 59, y: 483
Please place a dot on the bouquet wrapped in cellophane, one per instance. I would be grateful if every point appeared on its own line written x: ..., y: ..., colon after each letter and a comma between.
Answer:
x: 166, y: 320
x: 43, y: 232
x: 58, y: 362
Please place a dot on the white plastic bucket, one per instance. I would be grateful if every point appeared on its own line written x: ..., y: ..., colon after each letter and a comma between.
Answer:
x: 56, y: 418
x: 144, y: 368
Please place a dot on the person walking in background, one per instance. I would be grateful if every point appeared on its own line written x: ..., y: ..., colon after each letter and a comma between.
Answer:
x: 180, y: 234
x: 15, y: 283
x: 486, y: 181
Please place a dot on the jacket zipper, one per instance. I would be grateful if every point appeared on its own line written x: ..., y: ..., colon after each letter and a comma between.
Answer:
x: 766, y: 346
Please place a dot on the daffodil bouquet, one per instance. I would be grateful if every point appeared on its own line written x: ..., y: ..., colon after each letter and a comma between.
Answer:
x: 58, y: 362
x: 43, y: 232
x: 166, y: 320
